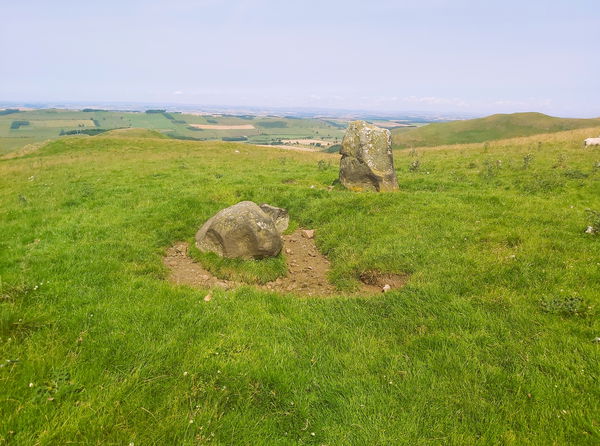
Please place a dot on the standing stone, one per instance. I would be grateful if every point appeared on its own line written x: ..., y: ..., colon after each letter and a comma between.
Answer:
x: 367, y: 162
x: 243, y: 231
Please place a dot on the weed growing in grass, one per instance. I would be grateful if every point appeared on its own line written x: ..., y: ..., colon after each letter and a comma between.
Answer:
x: 575, y: 174
x: 57, y: 388
x: 414, y: 165
x: 527, y: 160
x: 491, y: 168
x: 323, y: 165
x: 561, y: 162
x: 565, y: 306
x: 544, y: 182
x: 593, y: 218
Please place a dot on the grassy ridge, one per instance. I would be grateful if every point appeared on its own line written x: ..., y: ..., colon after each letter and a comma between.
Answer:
x: 489, y: 343
x: 487, y: 129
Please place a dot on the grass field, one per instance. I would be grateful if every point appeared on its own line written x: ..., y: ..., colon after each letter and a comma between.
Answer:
x: 486, y: 129
x: 63, y: 123
x: 490, y: 342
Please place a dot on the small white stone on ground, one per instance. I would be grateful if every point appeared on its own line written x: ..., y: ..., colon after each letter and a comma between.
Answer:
x: 386, y: 288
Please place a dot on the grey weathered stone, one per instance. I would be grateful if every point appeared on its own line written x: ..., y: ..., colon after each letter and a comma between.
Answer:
x: 279, y: 215
x: 367, y: 162
x: 243, y: 230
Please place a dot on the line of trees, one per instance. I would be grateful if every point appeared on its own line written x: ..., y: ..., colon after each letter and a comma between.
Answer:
x: 8, y: 111
x: 18, y: 124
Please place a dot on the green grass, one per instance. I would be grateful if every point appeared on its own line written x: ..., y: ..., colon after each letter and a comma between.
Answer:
x: 489, y: 343
x: 248, y: 271
x: 134, y: 133
x: 487, y: 129
x: 8, y: 145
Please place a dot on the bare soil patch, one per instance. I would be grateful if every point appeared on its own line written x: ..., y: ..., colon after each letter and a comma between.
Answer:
x: 183, y: 270
x: 223, y: 127
x: 307, y: 271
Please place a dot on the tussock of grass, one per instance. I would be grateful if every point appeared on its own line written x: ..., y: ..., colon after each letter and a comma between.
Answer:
x: 247, y: 271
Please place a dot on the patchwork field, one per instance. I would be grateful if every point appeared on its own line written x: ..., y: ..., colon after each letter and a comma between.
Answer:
x: 490, y: 341
x: 18, y: 128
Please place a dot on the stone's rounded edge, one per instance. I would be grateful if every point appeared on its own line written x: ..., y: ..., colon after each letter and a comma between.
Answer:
x: 201, y: 235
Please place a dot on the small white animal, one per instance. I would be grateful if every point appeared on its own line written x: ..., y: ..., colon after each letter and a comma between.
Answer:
x: 592, y: 142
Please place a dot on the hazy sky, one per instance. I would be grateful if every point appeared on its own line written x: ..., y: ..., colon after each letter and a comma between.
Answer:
x: 441, y: 55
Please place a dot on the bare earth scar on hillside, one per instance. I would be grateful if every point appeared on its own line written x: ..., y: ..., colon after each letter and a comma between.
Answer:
x: 307, y: 271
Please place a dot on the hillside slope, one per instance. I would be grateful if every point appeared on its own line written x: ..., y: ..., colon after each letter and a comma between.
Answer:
x: 490, y: 128
x: 489, y: 342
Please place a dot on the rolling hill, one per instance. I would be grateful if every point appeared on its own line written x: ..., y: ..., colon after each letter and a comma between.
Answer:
x: 490, y: 128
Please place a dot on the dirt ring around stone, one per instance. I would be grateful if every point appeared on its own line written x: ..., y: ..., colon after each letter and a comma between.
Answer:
x: 307, y: 272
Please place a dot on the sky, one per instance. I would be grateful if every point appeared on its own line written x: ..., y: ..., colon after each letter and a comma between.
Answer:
x: 463, y: 56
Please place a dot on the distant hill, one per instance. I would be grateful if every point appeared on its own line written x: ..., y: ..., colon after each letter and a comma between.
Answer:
x: 490, y: 128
